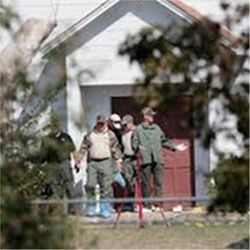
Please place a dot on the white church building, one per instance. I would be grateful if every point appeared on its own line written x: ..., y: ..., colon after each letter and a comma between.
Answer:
x: 96, y: 80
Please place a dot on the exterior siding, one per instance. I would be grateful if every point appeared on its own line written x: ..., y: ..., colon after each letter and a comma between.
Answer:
x: 97, y: 45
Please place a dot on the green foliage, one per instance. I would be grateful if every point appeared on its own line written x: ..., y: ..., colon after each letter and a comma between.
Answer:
x: 184, y: 58
x: 210, y: 186
x: 22, y: 179
x: 232, y: 186
x: 23, y: 228
x: 204, y: 67
x: 25, y: 225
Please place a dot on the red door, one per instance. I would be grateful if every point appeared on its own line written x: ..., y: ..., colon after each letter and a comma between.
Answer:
x: 178, y: 166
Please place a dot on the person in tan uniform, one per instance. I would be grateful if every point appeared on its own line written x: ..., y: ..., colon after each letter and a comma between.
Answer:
x: 101, y: 147
x: 129, y: 158
x: 129, y: 153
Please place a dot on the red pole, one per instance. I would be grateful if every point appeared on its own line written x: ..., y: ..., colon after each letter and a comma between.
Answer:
x: 138, y: 190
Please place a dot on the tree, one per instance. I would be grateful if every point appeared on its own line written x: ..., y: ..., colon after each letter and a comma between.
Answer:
x: 202, y: 65
x: 22, y: 225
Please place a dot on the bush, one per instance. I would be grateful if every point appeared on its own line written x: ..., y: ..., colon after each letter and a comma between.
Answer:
x: 231, y: 179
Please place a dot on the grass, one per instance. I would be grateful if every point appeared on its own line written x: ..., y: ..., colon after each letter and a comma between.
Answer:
x: 194, y: 235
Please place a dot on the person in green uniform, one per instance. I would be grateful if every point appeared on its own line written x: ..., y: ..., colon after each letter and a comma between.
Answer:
x: 148, y: 140
x: 101, y: 146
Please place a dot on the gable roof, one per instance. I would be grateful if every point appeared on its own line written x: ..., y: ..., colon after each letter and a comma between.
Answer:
x: 226, y: 33
x: 178, y: 7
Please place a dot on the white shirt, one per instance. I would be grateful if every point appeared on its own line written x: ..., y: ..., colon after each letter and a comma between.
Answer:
x: 126, y: 142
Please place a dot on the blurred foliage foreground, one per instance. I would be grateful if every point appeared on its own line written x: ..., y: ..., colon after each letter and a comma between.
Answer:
x: 196, y: 50
x: 210, y: 71
x: 23, y: 224
x: 23, y: 179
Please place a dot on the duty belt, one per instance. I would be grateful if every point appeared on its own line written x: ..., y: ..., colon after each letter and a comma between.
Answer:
x: 98, y: 160
x: 132, y: 157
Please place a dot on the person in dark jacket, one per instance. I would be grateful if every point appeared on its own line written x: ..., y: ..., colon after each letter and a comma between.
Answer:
x: 56, y: 150
x: 114, y: 124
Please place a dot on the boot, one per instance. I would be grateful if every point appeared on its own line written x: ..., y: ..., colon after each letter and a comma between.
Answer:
x: 105, y: 210
x: 90, y: 209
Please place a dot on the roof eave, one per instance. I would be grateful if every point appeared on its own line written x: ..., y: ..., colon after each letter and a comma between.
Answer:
x: 178, y: 7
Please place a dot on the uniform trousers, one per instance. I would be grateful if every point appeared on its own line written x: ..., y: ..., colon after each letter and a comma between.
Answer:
x: 154, y: 169
x: 99, y: 172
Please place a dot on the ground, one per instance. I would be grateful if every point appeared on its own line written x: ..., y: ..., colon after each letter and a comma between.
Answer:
x: 158, y: 237
x: 187, y: 231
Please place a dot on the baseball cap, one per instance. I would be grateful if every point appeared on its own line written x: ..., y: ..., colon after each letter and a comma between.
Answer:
x: 127, y: 118
x: 148, y: 111
x: 100, y: 119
